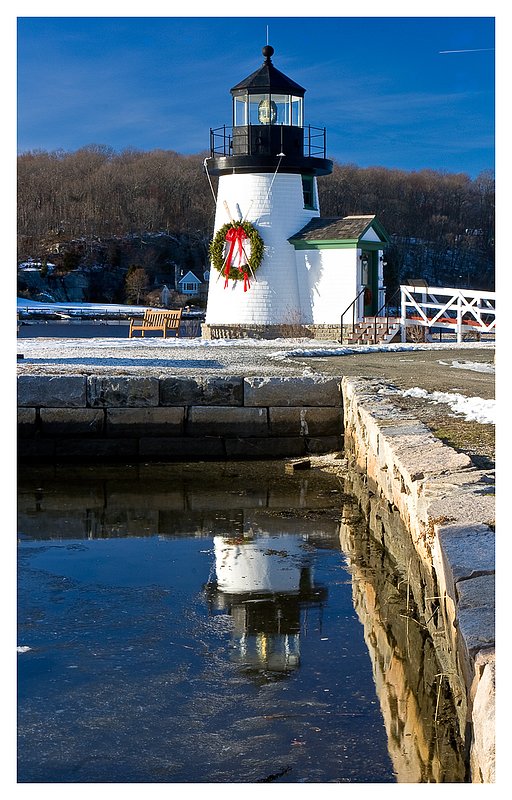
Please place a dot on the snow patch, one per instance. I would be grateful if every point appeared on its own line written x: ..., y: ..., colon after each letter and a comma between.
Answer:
x: 473, y: 409
x: 474, y: 366
x: 316, y: 351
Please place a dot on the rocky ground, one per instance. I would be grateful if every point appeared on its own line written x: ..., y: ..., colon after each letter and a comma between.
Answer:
x: 466, y: 369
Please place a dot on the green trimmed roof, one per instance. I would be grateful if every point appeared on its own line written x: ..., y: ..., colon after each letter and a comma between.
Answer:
x: 331, y: 229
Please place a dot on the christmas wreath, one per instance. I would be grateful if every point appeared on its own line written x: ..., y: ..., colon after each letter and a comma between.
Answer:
x: 244, y: 254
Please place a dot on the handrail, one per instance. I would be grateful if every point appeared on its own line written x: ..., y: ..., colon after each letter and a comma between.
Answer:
x: 352, y: 306
x: 221, y: 139
x: 450, y: 308
x: 386, y: 306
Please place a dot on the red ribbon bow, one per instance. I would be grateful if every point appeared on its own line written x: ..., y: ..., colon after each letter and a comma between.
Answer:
x: 233, y: 236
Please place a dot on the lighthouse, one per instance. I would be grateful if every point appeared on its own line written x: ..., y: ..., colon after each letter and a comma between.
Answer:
x: 267, y: 163
x: 264, y: 580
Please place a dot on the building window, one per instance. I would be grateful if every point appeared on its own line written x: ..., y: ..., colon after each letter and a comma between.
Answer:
x: 189, y: 287
x: 308, y: 191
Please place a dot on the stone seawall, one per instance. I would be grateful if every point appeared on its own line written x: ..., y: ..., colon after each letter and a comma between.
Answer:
x: 322, y: 332
x: 80, y: 418
x: 448, y: 508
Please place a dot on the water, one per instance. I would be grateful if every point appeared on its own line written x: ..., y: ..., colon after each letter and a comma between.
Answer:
x: 177, y: 627
x: 90, y: 329
x: 76, y: 329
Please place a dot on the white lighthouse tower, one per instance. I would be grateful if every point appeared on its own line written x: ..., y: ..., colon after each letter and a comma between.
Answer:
x: 267, y: 163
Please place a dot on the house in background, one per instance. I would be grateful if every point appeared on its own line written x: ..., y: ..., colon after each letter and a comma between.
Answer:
x: 190, y: 284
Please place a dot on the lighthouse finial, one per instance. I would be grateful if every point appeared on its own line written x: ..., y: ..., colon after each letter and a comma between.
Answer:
x: 268, y: 52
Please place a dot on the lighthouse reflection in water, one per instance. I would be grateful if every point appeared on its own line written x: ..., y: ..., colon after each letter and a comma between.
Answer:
x: 265, y: 583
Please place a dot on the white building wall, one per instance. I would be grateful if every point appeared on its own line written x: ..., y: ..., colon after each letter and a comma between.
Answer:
x: 275, y: 205
x: 328, y: 283
x: 258, y: 565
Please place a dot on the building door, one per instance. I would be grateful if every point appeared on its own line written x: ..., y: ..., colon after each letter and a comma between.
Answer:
x: 369, y: 281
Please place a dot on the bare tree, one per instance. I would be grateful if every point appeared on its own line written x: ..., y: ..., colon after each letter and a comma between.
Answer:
x: 94, y: 193
x: 136, y: 285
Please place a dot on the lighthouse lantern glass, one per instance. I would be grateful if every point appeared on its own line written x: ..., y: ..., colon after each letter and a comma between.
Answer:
x: 296, y: 111
x: 289, y: 109
x: 283, y: 107
x: 267, y: 112
x: 240, y: 109
x: 267, y: 109
x: 259, y: 107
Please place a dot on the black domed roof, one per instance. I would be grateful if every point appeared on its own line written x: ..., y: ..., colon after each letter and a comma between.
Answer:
x: 268, y: 79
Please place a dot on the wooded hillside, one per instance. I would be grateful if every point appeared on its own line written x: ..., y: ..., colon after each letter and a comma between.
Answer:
x: 442, y: 224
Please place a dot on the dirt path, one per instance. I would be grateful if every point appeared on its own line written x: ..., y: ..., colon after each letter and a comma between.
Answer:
x: 453, y: 370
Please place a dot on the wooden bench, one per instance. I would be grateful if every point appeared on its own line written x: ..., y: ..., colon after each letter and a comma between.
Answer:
x: 155, y: 320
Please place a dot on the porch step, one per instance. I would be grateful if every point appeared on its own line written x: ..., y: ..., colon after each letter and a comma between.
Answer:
x: 374, y: 330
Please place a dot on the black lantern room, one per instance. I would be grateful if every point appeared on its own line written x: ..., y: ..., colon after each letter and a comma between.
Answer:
x: 268, y: 128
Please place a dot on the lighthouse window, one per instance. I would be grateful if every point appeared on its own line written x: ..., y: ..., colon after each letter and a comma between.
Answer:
x: 267, y: 112
x: 296, y: 111
x: 308, y: 191
x: 259, y: 109
x: 282, y: 102
x: 268, y: 109
x: 240, y: 110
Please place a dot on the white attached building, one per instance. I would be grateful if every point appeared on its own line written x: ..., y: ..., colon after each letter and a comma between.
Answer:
x: 340, y: 262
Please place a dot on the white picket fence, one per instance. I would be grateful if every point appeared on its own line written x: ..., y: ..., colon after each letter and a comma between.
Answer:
x: 443, y: 308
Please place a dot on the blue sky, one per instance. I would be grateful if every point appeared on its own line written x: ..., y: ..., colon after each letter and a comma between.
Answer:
x: 385, y: 88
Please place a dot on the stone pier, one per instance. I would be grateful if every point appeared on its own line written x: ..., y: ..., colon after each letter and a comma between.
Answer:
x: 448, y: 509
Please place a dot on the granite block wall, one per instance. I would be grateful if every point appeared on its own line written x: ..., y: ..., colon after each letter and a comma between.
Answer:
x: 131, y: 418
